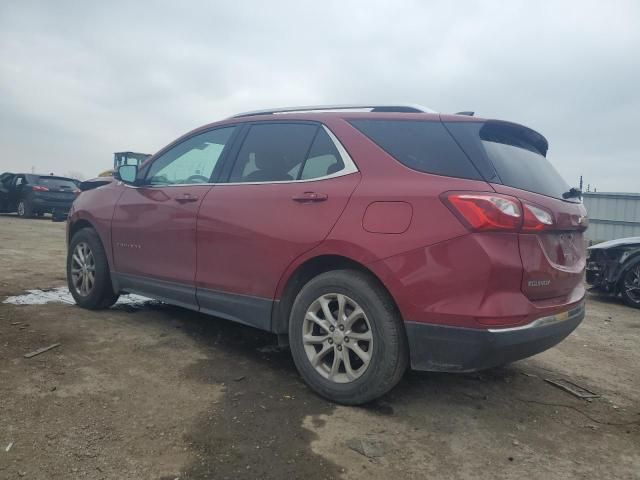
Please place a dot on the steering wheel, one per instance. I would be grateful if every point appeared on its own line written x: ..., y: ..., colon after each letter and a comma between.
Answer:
x: 197, y: 179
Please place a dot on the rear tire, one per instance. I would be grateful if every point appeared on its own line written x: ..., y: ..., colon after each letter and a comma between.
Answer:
x: 630, y: 286
x: 347, y: 370
x: 88, y: 272
x: 25, y: 210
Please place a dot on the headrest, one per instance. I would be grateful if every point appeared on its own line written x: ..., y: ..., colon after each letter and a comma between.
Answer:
x: 272, y: 158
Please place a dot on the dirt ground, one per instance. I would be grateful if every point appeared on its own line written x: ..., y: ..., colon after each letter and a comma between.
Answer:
x: 164, y: 393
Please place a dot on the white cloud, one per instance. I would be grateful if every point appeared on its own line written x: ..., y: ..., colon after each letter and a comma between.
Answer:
x: 79, y: 80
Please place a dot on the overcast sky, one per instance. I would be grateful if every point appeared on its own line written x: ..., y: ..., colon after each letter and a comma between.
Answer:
x: 80, y: 80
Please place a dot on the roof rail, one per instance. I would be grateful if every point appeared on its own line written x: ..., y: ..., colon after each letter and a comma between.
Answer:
x: 391, y: 107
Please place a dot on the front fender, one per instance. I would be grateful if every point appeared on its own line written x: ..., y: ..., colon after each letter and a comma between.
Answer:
x: 95, y: 208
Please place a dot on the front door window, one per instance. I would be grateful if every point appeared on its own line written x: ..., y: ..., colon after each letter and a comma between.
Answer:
x: 190, y: 162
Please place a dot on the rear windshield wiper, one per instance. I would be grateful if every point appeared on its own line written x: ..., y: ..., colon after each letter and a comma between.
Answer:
x: 572, y: 193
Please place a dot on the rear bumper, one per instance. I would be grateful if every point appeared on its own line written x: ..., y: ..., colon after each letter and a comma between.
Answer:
x: 456, y: 349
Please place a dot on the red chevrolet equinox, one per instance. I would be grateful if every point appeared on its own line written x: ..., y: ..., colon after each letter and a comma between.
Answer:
x: 368, y: 238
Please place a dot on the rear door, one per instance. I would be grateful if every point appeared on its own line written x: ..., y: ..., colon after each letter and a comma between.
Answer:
x: 154, y: 224
x: 287, y: 187
x: 17, y: 190
x: 553, y: 259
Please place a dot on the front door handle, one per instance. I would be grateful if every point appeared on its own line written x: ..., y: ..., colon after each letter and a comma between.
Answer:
x: 186, y: 198
x: 308, y: 197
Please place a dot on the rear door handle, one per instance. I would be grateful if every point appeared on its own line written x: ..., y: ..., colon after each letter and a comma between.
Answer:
x: 185, y: 198
x: 309, y: 197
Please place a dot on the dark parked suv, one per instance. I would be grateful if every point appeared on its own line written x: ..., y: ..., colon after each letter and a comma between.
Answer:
x: 29, y: 194
x: 369, y: 238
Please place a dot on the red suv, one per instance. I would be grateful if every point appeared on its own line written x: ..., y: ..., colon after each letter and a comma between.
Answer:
x: 366, y: 237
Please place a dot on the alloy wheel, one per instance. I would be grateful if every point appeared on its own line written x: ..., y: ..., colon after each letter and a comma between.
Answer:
x: 21, y: 209
x: 337, y: 338
x: 83, y: 269
x: 632, y: 284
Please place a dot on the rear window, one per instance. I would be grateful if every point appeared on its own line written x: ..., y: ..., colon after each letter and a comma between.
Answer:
x: 517, y: 153
x: 57, y: 183
x: 425, y: 146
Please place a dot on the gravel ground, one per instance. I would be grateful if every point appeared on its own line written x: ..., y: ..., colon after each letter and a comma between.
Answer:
x: 158, y: 392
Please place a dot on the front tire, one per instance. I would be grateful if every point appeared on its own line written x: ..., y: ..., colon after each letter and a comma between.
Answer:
x: 630, y: 286
x: 25, y: 210
x: 88, y: 272
x: 347, y: 338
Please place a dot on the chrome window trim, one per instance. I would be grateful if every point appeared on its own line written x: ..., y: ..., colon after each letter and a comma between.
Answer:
x: 349, y: 168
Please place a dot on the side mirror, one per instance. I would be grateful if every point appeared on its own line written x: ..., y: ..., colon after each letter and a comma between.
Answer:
x: 126, y: 173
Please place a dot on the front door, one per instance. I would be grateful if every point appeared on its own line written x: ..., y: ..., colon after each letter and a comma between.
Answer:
x: 154, y: 224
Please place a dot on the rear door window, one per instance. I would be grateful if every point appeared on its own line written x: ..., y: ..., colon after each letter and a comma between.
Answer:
x: 425, y: 146
x: 323, y: 158
x: 273, y: 152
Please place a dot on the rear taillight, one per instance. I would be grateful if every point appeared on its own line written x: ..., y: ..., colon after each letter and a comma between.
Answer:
x: 486, y: 212
x: 536, y: 219
x: 39, y: 188
x: 489, y: 212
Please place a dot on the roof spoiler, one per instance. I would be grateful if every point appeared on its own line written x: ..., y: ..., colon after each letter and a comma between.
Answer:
x: 514, y: 134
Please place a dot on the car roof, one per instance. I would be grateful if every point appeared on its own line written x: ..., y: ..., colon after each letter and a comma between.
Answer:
x: 387, y: 107
x: 45, y: 175
x: 391, y: 110
x: 319, y: 117
x: 342, y: 115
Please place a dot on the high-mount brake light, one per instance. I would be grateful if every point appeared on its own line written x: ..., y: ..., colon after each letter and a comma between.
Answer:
x: 39, y: 188
x: 486, y: 211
